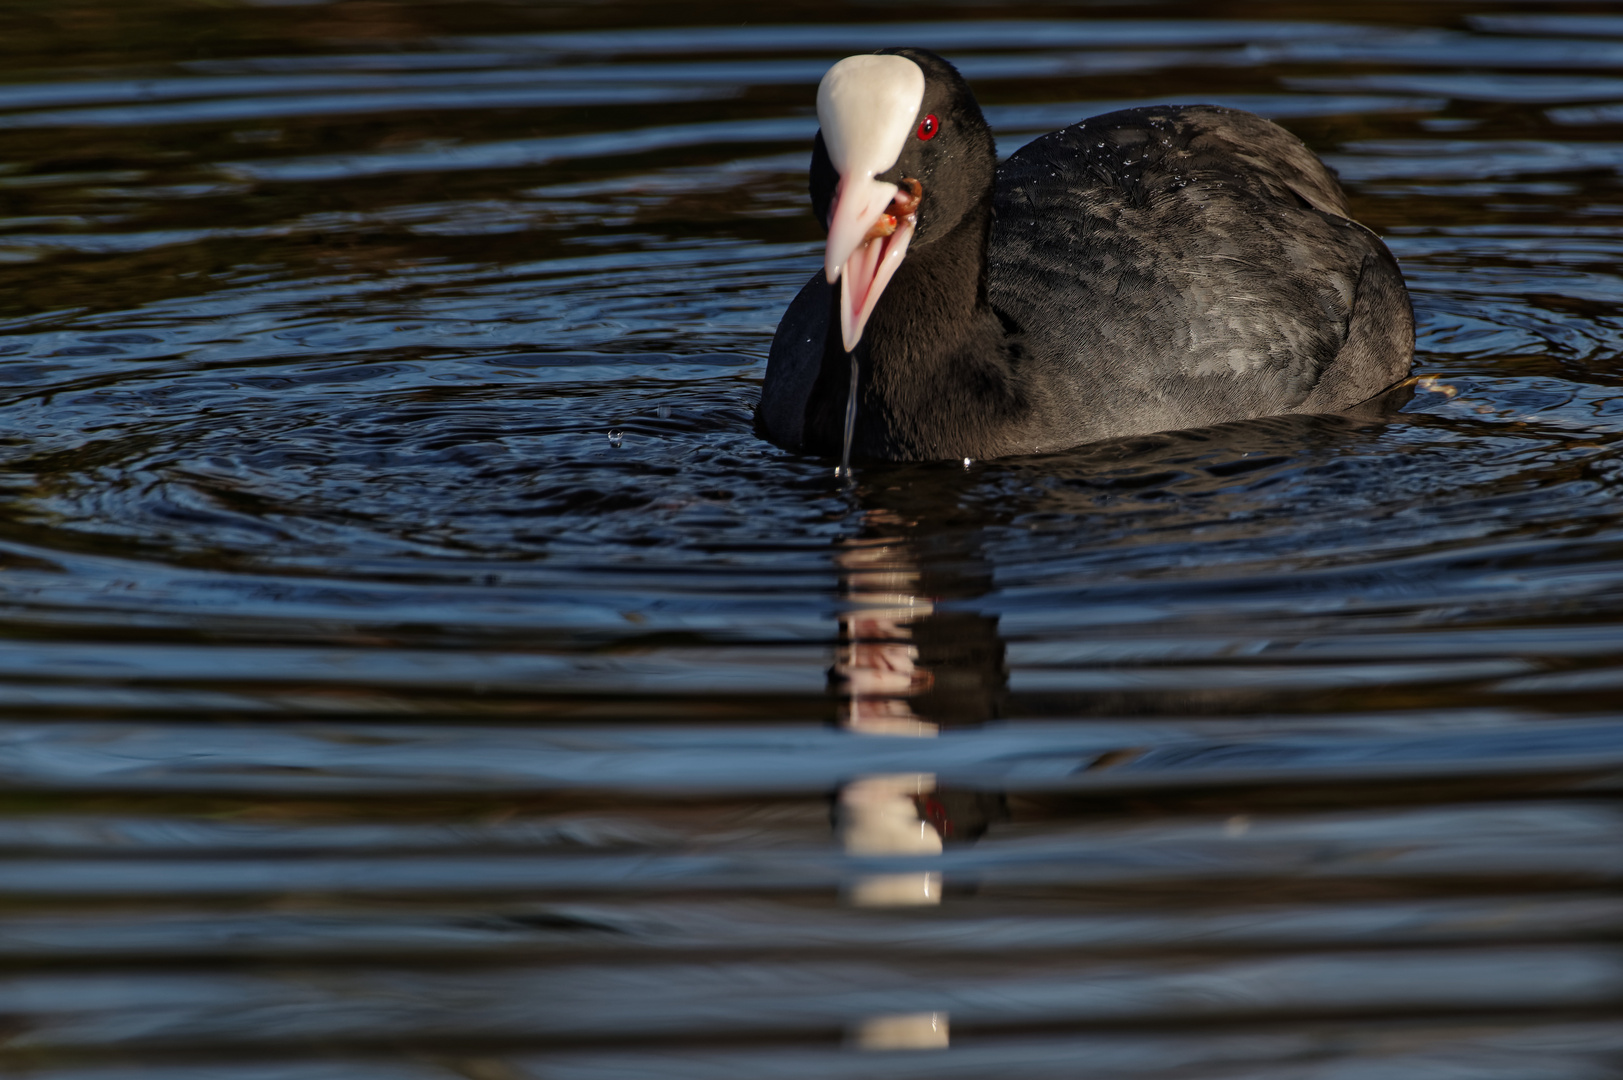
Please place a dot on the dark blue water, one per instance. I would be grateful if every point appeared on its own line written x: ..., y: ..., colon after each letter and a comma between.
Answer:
x: 413, y: 666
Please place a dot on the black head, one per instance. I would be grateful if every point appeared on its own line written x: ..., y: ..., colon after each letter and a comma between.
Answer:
x: 954, y: 159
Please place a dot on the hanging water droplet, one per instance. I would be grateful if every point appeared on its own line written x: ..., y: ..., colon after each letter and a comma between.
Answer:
x: 616, y: 437
x: 968, y: 463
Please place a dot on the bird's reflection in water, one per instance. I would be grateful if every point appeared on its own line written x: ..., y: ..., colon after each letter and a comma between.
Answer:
x: 907, y: 667
x: 876, y: 669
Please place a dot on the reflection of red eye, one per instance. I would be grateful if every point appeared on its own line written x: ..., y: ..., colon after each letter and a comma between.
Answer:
x: 928, y: 127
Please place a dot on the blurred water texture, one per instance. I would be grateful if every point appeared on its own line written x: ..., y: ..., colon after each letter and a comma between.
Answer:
x: 367, y: 711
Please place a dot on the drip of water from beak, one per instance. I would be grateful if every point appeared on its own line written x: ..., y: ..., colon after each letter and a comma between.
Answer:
x: 850, y: 421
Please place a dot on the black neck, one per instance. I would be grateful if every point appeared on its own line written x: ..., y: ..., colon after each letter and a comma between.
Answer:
x: 938, y: 295
x: 934, y: 360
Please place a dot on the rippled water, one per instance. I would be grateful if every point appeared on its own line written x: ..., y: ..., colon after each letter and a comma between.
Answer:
x: 415, y: 667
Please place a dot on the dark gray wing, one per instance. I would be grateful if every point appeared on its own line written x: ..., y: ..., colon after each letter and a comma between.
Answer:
x: 1181, y: 266
x: 1380, y: 339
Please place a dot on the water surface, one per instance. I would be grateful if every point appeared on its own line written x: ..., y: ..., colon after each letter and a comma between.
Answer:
x: 413, y: 666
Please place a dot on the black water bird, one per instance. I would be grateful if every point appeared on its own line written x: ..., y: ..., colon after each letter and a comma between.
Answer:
x: 1144, y: 270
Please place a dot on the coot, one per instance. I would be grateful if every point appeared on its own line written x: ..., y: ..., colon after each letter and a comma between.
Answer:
x: 1144, y: 270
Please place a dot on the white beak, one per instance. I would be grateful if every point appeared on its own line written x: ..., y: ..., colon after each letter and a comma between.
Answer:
x: 866, y: 106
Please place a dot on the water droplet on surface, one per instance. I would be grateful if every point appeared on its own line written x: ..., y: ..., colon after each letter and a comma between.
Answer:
x: 967, y: 463
x: 616, y: 437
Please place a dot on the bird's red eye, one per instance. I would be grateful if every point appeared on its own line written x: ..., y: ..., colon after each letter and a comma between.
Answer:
x: 928, y: 127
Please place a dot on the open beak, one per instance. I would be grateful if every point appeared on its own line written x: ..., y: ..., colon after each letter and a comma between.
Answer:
x: 867, y: 106
x: 868, y: 232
